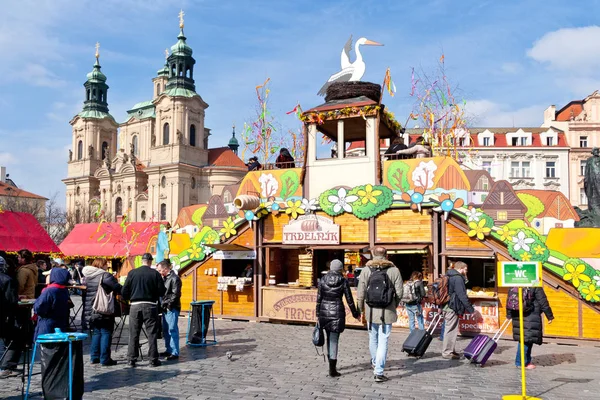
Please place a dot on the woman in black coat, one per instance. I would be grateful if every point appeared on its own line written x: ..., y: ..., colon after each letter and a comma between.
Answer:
x: 532, y: 324
x: 331, y: 312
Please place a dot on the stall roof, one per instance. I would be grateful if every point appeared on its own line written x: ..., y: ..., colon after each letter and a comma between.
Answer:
x: 229, y: 247
x: 109, y: 239
x: 20, y: 230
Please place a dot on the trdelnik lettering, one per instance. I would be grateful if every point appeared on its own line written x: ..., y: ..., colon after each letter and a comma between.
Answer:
x: 311, y: 236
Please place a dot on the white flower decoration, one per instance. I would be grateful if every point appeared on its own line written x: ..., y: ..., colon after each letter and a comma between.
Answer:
x: 597, y: 279
x: 207, y: 250
x: 522, y: 242
x: 341, y: 201
x: 473, y: 215
x: 309, y: 205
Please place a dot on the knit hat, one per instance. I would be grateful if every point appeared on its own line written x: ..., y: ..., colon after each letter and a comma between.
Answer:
x: 336, y: 266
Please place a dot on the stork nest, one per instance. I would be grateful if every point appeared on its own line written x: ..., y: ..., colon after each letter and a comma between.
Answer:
x: 349, y: 90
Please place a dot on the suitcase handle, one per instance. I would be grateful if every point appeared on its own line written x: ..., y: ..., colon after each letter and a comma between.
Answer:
x: 501, y: 330
x: 434, y: 323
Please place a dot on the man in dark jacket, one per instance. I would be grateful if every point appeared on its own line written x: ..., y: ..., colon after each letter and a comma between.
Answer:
x: 143, y: 288
x: 532, y: 324
x: 458, y: 304
x: 171, y: 307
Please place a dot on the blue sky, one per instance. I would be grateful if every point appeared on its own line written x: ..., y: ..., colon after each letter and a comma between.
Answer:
x: 510, y: 59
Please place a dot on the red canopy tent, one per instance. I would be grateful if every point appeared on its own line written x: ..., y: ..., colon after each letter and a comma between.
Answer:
x: 20, y: 230
x: 111, y: 239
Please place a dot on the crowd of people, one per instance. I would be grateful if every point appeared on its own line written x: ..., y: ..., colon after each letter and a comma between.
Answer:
x: 35, y: 301
x: 381, y: 280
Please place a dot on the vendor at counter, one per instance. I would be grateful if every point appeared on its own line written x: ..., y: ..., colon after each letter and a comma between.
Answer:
x: 248, y: 271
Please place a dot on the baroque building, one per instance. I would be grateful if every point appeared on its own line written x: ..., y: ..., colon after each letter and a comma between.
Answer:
x: 157, y: 161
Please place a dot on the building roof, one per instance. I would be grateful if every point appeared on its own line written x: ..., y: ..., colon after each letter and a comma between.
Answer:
x: 144, y: 109
x: 109, y: 239
x: 95, y: 114
x: 180, y: 92
x: 473, y: 176
x: 572, y: 109
x: 361, y: 145
x: 20, y: 230
x: 500, y: 136
x: 503, y: 197
x: 13, y: 191
x: 224, y: 157
x: 556, y: 205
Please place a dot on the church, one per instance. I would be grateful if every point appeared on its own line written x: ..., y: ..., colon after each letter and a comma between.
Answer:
x: 157, y: 161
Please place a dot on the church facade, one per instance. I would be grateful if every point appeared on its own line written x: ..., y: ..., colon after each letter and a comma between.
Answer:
x: 157, y: 161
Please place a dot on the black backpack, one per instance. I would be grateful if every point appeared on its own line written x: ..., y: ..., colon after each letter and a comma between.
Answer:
x: 380, y: 290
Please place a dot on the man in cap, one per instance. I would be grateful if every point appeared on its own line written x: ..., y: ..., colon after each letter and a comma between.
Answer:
x: 143, y: 288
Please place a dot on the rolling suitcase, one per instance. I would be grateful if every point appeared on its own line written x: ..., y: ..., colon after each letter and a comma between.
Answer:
x: 482, y: 346
x: 419, y: 340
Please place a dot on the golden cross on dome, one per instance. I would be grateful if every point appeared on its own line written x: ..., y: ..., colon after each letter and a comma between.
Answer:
x: 166, y: 53
x: 97, y: 50
x: 181, y: 14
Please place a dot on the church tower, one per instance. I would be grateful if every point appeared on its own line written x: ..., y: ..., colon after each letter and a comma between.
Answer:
x: 233, y: 142
x: 94, y: 138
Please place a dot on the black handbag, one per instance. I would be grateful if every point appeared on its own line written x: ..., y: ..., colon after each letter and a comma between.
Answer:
x: 318, y: 336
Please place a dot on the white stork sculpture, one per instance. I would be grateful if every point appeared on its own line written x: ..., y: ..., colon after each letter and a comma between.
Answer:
x: 350, y: 71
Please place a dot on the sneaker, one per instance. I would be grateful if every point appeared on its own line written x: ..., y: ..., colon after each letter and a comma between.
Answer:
x: 131, y: 363
x: 381, y: 378
x: 109, y: 363
x: 530, y: 366
x: 155, y: 363
x: 451, y: 356
x: 373, y: 364
x: 7, y: 373
x: 171, y: 357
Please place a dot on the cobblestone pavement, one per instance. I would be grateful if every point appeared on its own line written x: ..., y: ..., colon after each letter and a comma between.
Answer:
x: 276, y: 361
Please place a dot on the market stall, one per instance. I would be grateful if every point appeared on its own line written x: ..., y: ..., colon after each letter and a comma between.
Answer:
x: 20, y: 230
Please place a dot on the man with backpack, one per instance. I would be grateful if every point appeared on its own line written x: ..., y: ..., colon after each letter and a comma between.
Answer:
x: 379, y: 293
x: 457, y: 304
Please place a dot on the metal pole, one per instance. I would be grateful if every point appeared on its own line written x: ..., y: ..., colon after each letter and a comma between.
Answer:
x: 522, y: 342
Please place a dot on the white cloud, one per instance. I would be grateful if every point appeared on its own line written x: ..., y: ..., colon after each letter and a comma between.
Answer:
x: 572, y: 49
x: 7, y: 159
x: 492, y: 114
x: 511, y: 67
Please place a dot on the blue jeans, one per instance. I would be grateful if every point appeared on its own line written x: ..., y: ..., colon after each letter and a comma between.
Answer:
x: 171, y: 331
x: 528, y: 347
x: 333, y: 339
x: 102, y: 330
x: 378, y: 344
x: 415, y: 311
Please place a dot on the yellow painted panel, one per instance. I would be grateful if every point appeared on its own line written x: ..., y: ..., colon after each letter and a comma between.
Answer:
x: 591, y: 323
x: 352, y: 229
x: 187, y: 291
x: 566, y: 314
x: 457, y: 239
x: 399, y: 226
x: 179, y: 243
x: 273, y: 232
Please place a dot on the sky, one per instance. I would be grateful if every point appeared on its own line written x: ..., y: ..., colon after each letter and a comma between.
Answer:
x: 509, y: 60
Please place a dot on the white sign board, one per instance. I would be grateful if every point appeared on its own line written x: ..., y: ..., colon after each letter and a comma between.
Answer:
x: 311, y: 229
x: 234, y: 255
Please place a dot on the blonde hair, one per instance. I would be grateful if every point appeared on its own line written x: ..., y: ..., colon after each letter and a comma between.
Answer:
x: 100, y: 263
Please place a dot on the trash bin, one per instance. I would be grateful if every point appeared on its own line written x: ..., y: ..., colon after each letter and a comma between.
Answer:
x: 62, y: 365
x: 199, y: 320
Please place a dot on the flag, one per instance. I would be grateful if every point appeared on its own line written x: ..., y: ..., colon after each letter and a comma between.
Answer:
x: 388, y: 83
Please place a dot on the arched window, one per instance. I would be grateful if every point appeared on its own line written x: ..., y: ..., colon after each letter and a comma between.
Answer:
x: 102, y: 95
x: 193, y: 183
x: 157, y: 89
x: 193, y: 135
x: 118, y: 207
x: 134, y: 142
x: 104, y: 147
x: 173, y: 70
x: 87, y: 94
x: 77, y: 216
x: 226, y: 197
x: 163, y: 182
x: 166, y: 133
x: 143, y: 216
x: 163, y: 212
x: 94, y: 94
x: 80, y: 150
x: 180, y: 69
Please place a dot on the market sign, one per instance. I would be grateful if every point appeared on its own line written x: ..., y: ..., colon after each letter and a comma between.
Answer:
x: 523, y: 274
x: 311, y: 229
x: 234, y: 255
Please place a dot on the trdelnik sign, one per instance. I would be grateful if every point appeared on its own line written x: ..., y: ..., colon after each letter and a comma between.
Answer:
x: 311, y: 229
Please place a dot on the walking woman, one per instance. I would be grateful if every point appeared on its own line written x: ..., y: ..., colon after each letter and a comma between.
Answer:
x: 536, y: 303
x: 416, y: 292
x: 101, y: 325
x: 331, y: 312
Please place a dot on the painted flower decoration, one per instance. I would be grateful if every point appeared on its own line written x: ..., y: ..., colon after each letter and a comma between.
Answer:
x: 473, y: 215
x: 478, y: 229
x: 526, y: 257
x: 342, y: 201
x: 447, y: 204
x: 195, y: 251
x: 522, y: 242
x: 597, y: 279
x: 592, y: 292
x: 539, y: 250
x: 575, y: 274
x: 262, y: 211
x: 415, y: 199
x: 207, y: 250
x: 368, y: 195
x: 309, y: 205
x: 228, y: 228
x: 506, y: 235
x: 294, y: 208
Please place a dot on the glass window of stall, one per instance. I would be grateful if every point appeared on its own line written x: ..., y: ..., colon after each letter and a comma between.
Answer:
x: 481, y: 276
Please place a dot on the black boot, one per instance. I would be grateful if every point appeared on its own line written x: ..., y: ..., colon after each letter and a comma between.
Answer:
x: 332, y: 369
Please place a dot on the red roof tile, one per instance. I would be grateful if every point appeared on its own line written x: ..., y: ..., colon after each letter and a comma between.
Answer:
x: 574, y: 108
x: 9, y: 190
x: 224, y: 157
x: 500, y: 137
x: 361, y: 145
